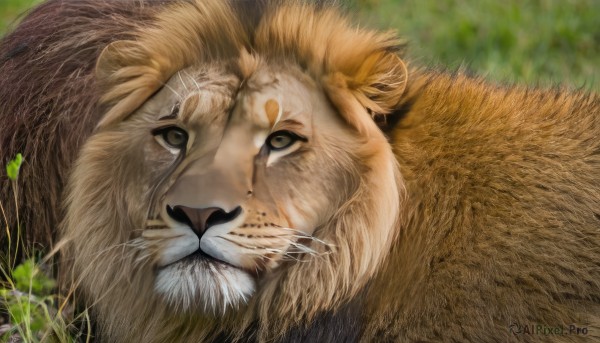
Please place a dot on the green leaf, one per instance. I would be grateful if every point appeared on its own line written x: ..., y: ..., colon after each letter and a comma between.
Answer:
x: 22, y: 275
x: 12, y: 169
x: 18, y: 311
x: 28, y: 275
x: 38, y: 320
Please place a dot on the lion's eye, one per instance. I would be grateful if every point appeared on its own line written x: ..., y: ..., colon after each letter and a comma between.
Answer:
x: 282, y: 139
x: 173, y: 136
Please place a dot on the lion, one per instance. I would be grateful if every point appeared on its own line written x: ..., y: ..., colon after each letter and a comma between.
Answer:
x: 287, y: 176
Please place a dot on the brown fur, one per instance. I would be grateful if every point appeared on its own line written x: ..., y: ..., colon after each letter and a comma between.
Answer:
x: 502, y: 214
x: 47, y: 101
x: 499, y: 225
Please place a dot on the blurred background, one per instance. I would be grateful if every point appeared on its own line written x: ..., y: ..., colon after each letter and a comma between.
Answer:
x: 538, y: 42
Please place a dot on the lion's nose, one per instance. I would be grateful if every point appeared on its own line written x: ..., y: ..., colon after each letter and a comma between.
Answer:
x: 200, y: 219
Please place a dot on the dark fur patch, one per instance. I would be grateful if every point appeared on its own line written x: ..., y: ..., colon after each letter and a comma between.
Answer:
x: 345, y: 324
x: 388, y: 122
x: 15, y: 52
x: 47, y: 101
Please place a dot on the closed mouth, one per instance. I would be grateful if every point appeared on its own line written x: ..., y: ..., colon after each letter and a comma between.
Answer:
x: 201, y: 257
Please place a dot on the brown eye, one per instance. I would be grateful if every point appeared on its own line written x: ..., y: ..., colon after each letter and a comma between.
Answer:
x: 173, y: 136
x: 282, y: 139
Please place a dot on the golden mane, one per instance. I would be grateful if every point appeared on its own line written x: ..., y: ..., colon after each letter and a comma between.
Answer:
x: 366, y: 75
x: 367, y: 62
x: 185, y: 34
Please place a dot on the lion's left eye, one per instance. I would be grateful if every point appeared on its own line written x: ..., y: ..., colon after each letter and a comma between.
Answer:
x: 282, y: 139
x: 172, y: 136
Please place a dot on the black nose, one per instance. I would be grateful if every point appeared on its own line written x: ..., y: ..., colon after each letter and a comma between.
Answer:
x: 200, y: 219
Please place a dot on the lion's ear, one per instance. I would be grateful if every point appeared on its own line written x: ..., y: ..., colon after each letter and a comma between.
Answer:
x: 358, y: 62
x: 374, y: 82
x: 128, y: 77
x: 379, y: 81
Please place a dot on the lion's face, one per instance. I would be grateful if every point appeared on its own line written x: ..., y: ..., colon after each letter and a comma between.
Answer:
x: 236, y: 178
x: 256, y: 178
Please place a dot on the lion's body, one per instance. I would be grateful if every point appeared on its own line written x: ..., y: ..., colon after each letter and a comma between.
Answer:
x: 499, y: 219
x: 503, y: 213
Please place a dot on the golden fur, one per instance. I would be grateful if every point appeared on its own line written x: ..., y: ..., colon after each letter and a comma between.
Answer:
x: 486, y: 217
x: 502, y: 223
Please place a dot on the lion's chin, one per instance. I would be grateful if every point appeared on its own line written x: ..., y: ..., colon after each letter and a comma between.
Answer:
x: 200, y: 284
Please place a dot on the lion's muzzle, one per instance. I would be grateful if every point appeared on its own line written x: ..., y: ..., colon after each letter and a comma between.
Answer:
x: 201, y: 219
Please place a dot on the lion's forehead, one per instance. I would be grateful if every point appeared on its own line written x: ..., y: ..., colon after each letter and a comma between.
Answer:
x: 272, y: 97
x: 264, y: 109
x: 207, y: 95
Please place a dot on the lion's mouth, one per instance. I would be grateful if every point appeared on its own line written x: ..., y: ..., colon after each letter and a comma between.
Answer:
x: 199, y: 221
x: 200, y: 256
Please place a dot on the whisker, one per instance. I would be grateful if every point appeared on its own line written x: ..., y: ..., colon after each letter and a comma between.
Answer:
x: 301, y: 234
x: 303, y: 248
x: 193, y: 80
x: 181, y: 79
x: 174, y: 92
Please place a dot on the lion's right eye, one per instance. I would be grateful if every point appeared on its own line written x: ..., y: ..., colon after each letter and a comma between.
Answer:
x: 172, y: 137
x: 283, y: 139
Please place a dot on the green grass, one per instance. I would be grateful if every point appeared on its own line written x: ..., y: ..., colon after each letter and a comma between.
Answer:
x: 10, y: 11
x: 538, y: 42
x: 541, y: 42
x: 31, y: 310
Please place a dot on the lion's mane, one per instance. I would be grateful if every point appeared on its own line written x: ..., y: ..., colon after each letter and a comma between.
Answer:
x: 496, y: 219
x: 47, y: 97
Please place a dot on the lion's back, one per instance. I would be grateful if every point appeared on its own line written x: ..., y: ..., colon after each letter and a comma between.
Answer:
x: 504, y: 218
